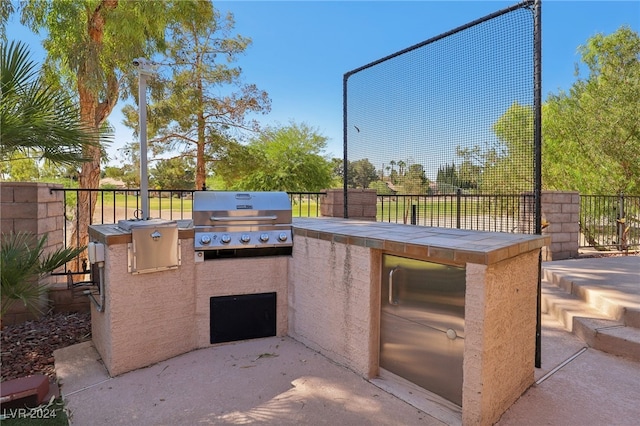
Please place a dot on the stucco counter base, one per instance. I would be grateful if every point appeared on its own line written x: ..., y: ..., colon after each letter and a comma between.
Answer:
x: 334, y: 300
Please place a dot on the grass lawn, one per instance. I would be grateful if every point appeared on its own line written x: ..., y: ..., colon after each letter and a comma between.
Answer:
x: 301, y: 207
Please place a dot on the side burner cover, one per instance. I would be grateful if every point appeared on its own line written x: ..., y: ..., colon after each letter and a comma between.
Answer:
x: 154, y: 246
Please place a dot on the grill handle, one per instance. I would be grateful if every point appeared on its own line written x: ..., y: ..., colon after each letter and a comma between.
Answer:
x: 240, y: 218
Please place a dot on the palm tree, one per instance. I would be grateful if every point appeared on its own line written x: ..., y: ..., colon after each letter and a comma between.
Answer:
x: 401, y: 165
x: 23, y: 263
x: 37, y: 119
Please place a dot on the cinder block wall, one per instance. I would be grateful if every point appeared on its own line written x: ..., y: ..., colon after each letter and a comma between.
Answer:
x: 362, y: 203
x: 561, y: 221
x: 33, y: 207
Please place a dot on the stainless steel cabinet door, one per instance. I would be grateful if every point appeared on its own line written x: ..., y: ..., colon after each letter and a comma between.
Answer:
x: 422, y: 324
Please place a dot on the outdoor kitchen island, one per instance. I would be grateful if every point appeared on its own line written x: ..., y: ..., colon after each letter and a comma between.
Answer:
x: 328, y: 294
x: 338, y: 292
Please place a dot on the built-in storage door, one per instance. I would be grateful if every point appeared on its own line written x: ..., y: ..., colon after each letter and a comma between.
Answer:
x: 422, y: 324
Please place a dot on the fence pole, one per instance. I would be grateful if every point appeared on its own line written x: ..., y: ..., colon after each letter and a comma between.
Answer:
x: 458, y: 199
x: 621, y: 221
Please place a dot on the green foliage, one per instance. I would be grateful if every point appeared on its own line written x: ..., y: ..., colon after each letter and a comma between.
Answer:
x: 18, y: 168
x: 447, y: 175
x: 114, y: 172
x: 413, y: 180
x: 592, y: 133
x: 23, y: 262
x: 361, y: 173
x: 381, y: 188
x: 37, y: 120
x: 509, y: 168
x: 280, y: 159
x: 174, y: 173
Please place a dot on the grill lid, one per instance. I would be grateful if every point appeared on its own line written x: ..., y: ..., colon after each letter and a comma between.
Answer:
x: 215, y: 208
x: 238, y: 220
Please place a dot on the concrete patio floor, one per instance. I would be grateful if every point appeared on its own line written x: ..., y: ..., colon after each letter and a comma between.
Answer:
x: 280, y: 381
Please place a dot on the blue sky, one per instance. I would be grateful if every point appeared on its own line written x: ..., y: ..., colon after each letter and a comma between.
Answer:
x: 301, y: 49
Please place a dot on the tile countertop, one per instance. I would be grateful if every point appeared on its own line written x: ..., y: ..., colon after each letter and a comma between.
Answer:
x: 448, y: 244
x: 113, y: 234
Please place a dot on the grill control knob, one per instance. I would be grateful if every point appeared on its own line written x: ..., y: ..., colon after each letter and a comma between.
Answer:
x: 282, y: 236
x: 245, y: 238
x: 264, y: 237
x: 225, y: 239
x: 205, y: 239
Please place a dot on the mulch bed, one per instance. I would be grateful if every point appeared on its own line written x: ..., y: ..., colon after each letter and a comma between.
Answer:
x: 27, y: 348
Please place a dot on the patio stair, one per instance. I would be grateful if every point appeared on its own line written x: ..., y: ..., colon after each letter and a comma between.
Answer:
x: 602, y: 322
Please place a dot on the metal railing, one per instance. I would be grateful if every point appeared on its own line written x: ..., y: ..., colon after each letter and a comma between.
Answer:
x: 497, y: 213
x: 606, y: 222
x: 610, y: 222
x: 113, y: 205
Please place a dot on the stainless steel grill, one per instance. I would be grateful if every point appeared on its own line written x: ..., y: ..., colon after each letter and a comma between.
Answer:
x: 242, y: 223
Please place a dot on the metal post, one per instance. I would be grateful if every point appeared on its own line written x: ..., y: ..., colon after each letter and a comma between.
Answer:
x: 537, y: 140
x: 142, y: 118
x: 145, y: 69
x: 621, y: 222
x: 345, y: 167
x: 458, y: 206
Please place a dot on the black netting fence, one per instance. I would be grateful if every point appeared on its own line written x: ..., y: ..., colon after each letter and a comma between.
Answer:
x: 451, y: 118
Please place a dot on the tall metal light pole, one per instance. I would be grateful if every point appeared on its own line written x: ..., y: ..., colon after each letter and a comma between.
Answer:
x: 145, y: 69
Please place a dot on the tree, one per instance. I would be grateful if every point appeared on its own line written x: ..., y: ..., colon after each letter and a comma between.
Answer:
x: 469, y: 175
x: 447, y: 176
x: 506, y: 163
x: 361, y: 173
x: 197, y: 105
x: 415, y: 180
x: 279, y: 159
x: 592, y: 133
x: 381, y: 188
x: 401, y: 166
x: 37, y: 120
x: 173, y: 173
x: 337, y: 172
x: 90, y: 45
x: 20, y: 169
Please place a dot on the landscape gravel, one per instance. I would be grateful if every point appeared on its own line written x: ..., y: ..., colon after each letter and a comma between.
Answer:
x: 27, y: 348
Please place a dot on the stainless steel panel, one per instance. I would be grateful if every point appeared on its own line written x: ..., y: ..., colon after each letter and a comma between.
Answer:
x: 215, y: 208
x: 422, y: 324
x: 154, y: 248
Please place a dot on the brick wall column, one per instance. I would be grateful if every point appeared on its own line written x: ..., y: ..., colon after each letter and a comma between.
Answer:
x: 362, y: 203
x: 32, y: 207
x: 560, y: 220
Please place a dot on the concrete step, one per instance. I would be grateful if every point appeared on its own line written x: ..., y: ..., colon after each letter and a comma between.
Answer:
x: 613, y: 291
x: 604, y: 330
